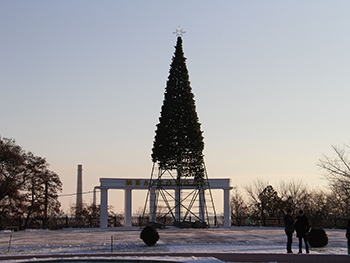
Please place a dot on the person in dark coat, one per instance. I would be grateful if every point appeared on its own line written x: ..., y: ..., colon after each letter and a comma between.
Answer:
x: 289, y: 229
x: 302, y: 228
x: 348, y: 235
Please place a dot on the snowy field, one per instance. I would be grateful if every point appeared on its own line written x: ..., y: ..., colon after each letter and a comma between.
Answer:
x: 183, y: 243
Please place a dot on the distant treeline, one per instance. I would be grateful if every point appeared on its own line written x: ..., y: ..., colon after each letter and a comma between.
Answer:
x: 260, y: 204
x: 29, y: 196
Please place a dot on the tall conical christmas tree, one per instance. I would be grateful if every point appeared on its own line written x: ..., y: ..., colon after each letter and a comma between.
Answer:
x: 178, y: 143
x: 178, y: 153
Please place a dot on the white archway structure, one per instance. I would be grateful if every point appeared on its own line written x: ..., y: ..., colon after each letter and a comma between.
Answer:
x: 129, y: 184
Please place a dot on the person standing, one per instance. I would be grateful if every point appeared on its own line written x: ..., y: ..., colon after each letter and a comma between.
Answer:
x: 302, y: 228
x: 348, y: 235
x: 289, y: 229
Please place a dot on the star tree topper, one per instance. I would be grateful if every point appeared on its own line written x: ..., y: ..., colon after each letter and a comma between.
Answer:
x: 179, y: 32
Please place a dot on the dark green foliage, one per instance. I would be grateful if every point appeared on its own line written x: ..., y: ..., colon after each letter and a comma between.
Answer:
x: 317, y: 237
x: 149, y: 235
x: 27, y: 187
x: 178, y: 141
x: 270, y: 204
x: 12, y: 170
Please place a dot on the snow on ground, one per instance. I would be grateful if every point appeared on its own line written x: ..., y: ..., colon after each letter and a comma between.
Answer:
x: 172, y: 240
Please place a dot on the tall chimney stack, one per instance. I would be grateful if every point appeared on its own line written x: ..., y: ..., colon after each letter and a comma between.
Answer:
x: 79, y: 203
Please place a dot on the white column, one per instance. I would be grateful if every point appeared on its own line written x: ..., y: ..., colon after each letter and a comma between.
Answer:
x: 227, y: 210
x: 201, y: 204
x: 152, y: 205
x: 104, y: 208
x: 127, y: 207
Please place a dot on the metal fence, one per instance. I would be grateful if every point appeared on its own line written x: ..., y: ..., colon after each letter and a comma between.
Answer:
x: 119, y: 220
x: 334, y: 222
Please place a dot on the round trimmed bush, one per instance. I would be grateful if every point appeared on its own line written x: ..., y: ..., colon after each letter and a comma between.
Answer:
x: 149, y: 235
x: 317, y: 237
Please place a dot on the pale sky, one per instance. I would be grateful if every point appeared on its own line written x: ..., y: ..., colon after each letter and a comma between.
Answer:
x: 82, y: 82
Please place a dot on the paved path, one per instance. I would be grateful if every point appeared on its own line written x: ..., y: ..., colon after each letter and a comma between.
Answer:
x: 227, y: 257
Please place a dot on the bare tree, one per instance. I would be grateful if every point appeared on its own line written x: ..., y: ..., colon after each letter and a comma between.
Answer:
x: 295, y: 194
x: 254, y: 191
x: 238, y: 207
x: 318, y: 208
x: 337, y: 169
x: 337, y: 173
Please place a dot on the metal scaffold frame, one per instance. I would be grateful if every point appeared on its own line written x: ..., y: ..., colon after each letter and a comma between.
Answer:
x: 170, y: 196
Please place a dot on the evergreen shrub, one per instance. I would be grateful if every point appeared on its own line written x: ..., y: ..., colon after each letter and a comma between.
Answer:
x: 149, y: 235
x: 317, y: 237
